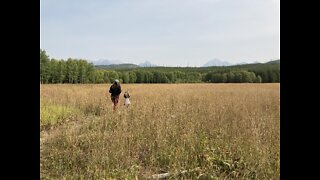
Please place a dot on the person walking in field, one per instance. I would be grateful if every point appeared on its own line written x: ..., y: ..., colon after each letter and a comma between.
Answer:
x: 115, y: 91
x: 126, y: 99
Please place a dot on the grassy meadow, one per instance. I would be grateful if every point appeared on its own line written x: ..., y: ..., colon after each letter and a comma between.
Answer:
x: 191, y: 131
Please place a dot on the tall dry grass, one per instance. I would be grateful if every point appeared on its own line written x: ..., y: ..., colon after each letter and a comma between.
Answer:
x: 224, y: 131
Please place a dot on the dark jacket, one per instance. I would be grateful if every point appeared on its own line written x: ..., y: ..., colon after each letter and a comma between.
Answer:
x: 115, y: 90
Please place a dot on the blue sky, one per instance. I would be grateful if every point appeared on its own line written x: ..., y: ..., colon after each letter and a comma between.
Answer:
x: 164, y: 32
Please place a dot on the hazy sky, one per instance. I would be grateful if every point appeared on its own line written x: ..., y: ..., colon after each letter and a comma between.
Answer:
x: 164, y: 32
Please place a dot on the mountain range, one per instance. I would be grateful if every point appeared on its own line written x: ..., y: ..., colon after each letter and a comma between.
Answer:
x: 216, y: 62
x: 106, y: 62
x: 147, y: 64
x: 117, y: 64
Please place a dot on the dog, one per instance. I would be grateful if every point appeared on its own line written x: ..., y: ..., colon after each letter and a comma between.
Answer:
x: 127, y: 99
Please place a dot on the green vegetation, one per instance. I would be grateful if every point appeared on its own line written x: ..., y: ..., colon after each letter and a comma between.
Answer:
x: 80, y: 71
x: 117, y: 66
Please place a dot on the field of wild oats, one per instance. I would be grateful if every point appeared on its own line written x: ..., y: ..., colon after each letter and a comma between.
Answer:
x: 190, y: 131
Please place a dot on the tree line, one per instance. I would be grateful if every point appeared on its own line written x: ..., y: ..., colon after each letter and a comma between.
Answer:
x: 81, y: 71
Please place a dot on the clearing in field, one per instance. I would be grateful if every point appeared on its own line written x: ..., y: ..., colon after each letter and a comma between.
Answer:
x: 190, y: 131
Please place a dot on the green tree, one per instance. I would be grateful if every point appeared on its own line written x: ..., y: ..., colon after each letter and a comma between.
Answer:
x: 180, y: 76
x: 44, y: 67
x: 148, y: 77
x: 113, y: 75
x: 258, y: 79
x: 54, y: 71
x: 230, y: 77
x: 171, y: 77
x: 224, y: 77
x: 106, y: 77
x: 82, y: 71
x: 132, y: 77
x: 90, y: 72
x: 237, y: 77
x: 192, y: 77
x: 72, y: 71
x: 245, y: 76
x: 98, y: 76
x: 126, y: 78
x: 62, y: 71
x: 140, y: 77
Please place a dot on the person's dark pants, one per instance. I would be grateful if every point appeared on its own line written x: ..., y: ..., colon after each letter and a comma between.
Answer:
x: 115, y: 100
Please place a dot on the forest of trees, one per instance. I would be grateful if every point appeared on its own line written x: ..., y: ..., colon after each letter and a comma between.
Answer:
x: 80, y: 71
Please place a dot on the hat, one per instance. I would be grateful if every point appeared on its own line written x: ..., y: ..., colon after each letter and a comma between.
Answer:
x: 116, y: 81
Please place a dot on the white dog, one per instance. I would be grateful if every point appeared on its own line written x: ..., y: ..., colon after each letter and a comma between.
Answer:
x: 127, y: 100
